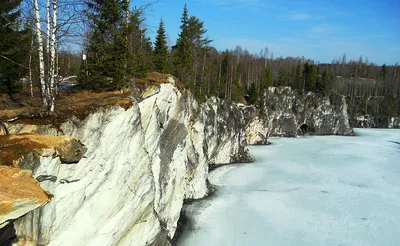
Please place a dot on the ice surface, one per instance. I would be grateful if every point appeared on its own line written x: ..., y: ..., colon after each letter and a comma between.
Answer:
x: 306, y: 191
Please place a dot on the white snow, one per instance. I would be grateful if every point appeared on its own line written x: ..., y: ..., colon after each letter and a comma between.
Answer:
x: 327, y: 190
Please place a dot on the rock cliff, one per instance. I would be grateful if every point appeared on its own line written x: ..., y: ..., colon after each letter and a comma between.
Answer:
x: 285, y: 112
x: 367, y: 121
x: 140, y: 166
x: 20, y: 156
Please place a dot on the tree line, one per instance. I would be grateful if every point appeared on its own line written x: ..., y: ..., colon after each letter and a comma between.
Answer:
x: 116, y: 49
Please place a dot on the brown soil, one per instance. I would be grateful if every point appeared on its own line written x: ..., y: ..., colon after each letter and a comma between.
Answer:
x: 69, y: 103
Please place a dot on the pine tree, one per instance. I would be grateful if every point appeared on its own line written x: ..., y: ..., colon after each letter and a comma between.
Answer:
x: 310, y: 76
x: 383, y: 71
x: 106, y: 65
x: 11, y: 54
x: 281, y: 80
x: 323, y: 83
x: 191, y: 51
x: 184, y: 26
x: 267, y: 80
x: 298, y: 80
x: 254, y: 95
x: 183, y: 60
x: 140, y: 50
x: 161, y: 50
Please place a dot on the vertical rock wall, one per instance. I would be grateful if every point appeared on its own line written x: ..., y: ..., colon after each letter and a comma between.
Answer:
x: 287, y: 113
x: 141, y: 164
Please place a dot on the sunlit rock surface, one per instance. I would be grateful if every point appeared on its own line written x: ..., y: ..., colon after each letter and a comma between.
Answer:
x: 20, y: 193
x: 367, y: 121
x: 24, y: 150
x: 22, y: 155
x: 285, y: 112
x: 141, y: 164
x: 257, y: 133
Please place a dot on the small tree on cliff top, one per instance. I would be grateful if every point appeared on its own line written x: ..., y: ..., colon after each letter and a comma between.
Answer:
x: 161, y: 50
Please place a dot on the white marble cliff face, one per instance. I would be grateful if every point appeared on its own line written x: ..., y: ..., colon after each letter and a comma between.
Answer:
x: 288, y: 113
x: 140, y: 166
x: 367, y: 121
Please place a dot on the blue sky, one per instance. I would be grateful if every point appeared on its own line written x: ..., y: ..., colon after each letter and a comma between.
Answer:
x: 320, y: 30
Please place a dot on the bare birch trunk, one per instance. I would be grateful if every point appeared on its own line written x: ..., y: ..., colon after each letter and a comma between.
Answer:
x: 57, y: 68
x: 48, y: 44
x: 127, y: 13
x: 30, y: 68
x: 48, y: 28
x: 52, y: 62
x: 40, y: 50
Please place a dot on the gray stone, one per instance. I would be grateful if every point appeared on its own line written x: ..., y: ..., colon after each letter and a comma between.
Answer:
x: 287, y: 113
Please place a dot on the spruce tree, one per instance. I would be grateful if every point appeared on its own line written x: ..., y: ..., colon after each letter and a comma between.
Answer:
x: 161, y: 50
x: 106, y: 65
x: 140, y: 50
x: 298, y: 78
x: 323, y: 83
x: 11, y: 54
x: 183, y: 60
x: 191, y: 50
x: 383, y: 71
x: 267, y: 80
x: 310, y: 76
x: 184, y: 26
x: 254, y: 95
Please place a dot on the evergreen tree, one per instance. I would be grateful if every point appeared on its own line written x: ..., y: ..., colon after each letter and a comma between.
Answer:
x: 323, y: 83
x: 383, y: 71
x: 183, y: 56
x: 190, y: 50
x: 161, y: 50
x: 106, y: 64
x: 281, y: 81
x: 310, y: 76
x: 254, y: 95
x: 140, y: 51
x: 298, y: 79
x: 267, y: 78
x: 11, y: 54
x: 223, y: 78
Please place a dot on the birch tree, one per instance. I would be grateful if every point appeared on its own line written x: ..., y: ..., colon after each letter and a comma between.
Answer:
x: 40, y: 53
x: 48, y: 85
x: 52, y: 60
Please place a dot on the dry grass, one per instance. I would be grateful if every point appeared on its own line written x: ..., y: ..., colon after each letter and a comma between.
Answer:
x: 69, y: 103
x: 158, y: 78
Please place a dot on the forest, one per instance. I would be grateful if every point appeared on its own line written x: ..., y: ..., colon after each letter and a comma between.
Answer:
x: 115, y: 50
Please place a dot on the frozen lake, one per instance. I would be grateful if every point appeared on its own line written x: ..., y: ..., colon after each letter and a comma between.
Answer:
x: 306, y: 191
